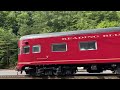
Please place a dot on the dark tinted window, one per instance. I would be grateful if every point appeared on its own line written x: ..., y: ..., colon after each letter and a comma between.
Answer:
x: 59, y: 47
x: 36, y: 49
x: 88, y: 45
x: 26, y: 49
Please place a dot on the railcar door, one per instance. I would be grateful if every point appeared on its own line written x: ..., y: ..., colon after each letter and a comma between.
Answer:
x: 39, y: 53
x: 26, y: 54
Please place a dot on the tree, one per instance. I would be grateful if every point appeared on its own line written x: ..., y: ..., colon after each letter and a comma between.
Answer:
x: 8, y: 46
x: 14, y: 24
x: 106, y: 24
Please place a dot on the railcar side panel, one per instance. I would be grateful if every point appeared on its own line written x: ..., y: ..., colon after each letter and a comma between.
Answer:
x: 108, y: 49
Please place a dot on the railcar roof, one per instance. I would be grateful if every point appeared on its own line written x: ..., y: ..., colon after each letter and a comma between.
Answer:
x: 55, y: 34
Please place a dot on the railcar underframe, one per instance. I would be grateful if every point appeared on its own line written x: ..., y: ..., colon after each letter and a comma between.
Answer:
x: 69, y: 69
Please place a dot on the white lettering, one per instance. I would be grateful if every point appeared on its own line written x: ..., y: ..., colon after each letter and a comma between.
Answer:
x: 95, y: 36
x: 115, y: 34
x: 105, y: 36
x: 69, y: 38
x: 79, y: 37
x: 82, y: 37
x: 85, y: 36
x: 64, y: 39
x: 110, y: 35
x: 74, y: 37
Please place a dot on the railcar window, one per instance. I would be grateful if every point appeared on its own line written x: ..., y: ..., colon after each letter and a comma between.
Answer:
x: 59, y: 47
x: 36, y: 49
x: 88, y: 45
x: 26, y: 49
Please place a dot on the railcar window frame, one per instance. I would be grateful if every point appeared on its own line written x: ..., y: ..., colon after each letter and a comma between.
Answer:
x: 95, y: 43
x: 36, y: 46
x: 59, y: 44
x: 23, y: 49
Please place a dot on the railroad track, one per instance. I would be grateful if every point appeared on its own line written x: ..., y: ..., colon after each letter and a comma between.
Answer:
x: 76, y: 76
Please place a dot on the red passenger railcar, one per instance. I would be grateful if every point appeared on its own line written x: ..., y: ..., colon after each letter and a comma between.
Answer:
x: 61, y: 53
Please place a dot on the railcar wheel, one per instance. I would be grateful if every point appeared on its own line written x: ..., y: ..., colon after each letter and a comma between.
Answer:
x: 117, y: 70
x: 31, y: 72
x: 27, y: 72
x: 48, y: 73
x: 94, y: 71
x: 68, y: 72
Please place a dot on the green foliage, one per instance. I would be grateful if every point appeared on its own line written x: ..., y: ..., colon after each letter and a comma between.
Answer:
x: 105, y: 24
x: 14, y: 24
x: 8, y: 47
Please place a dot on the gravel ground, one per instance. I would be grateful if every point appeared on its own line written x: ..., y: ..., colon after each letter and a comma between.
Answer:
x: 10, y: 72
x: 4, y: 73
